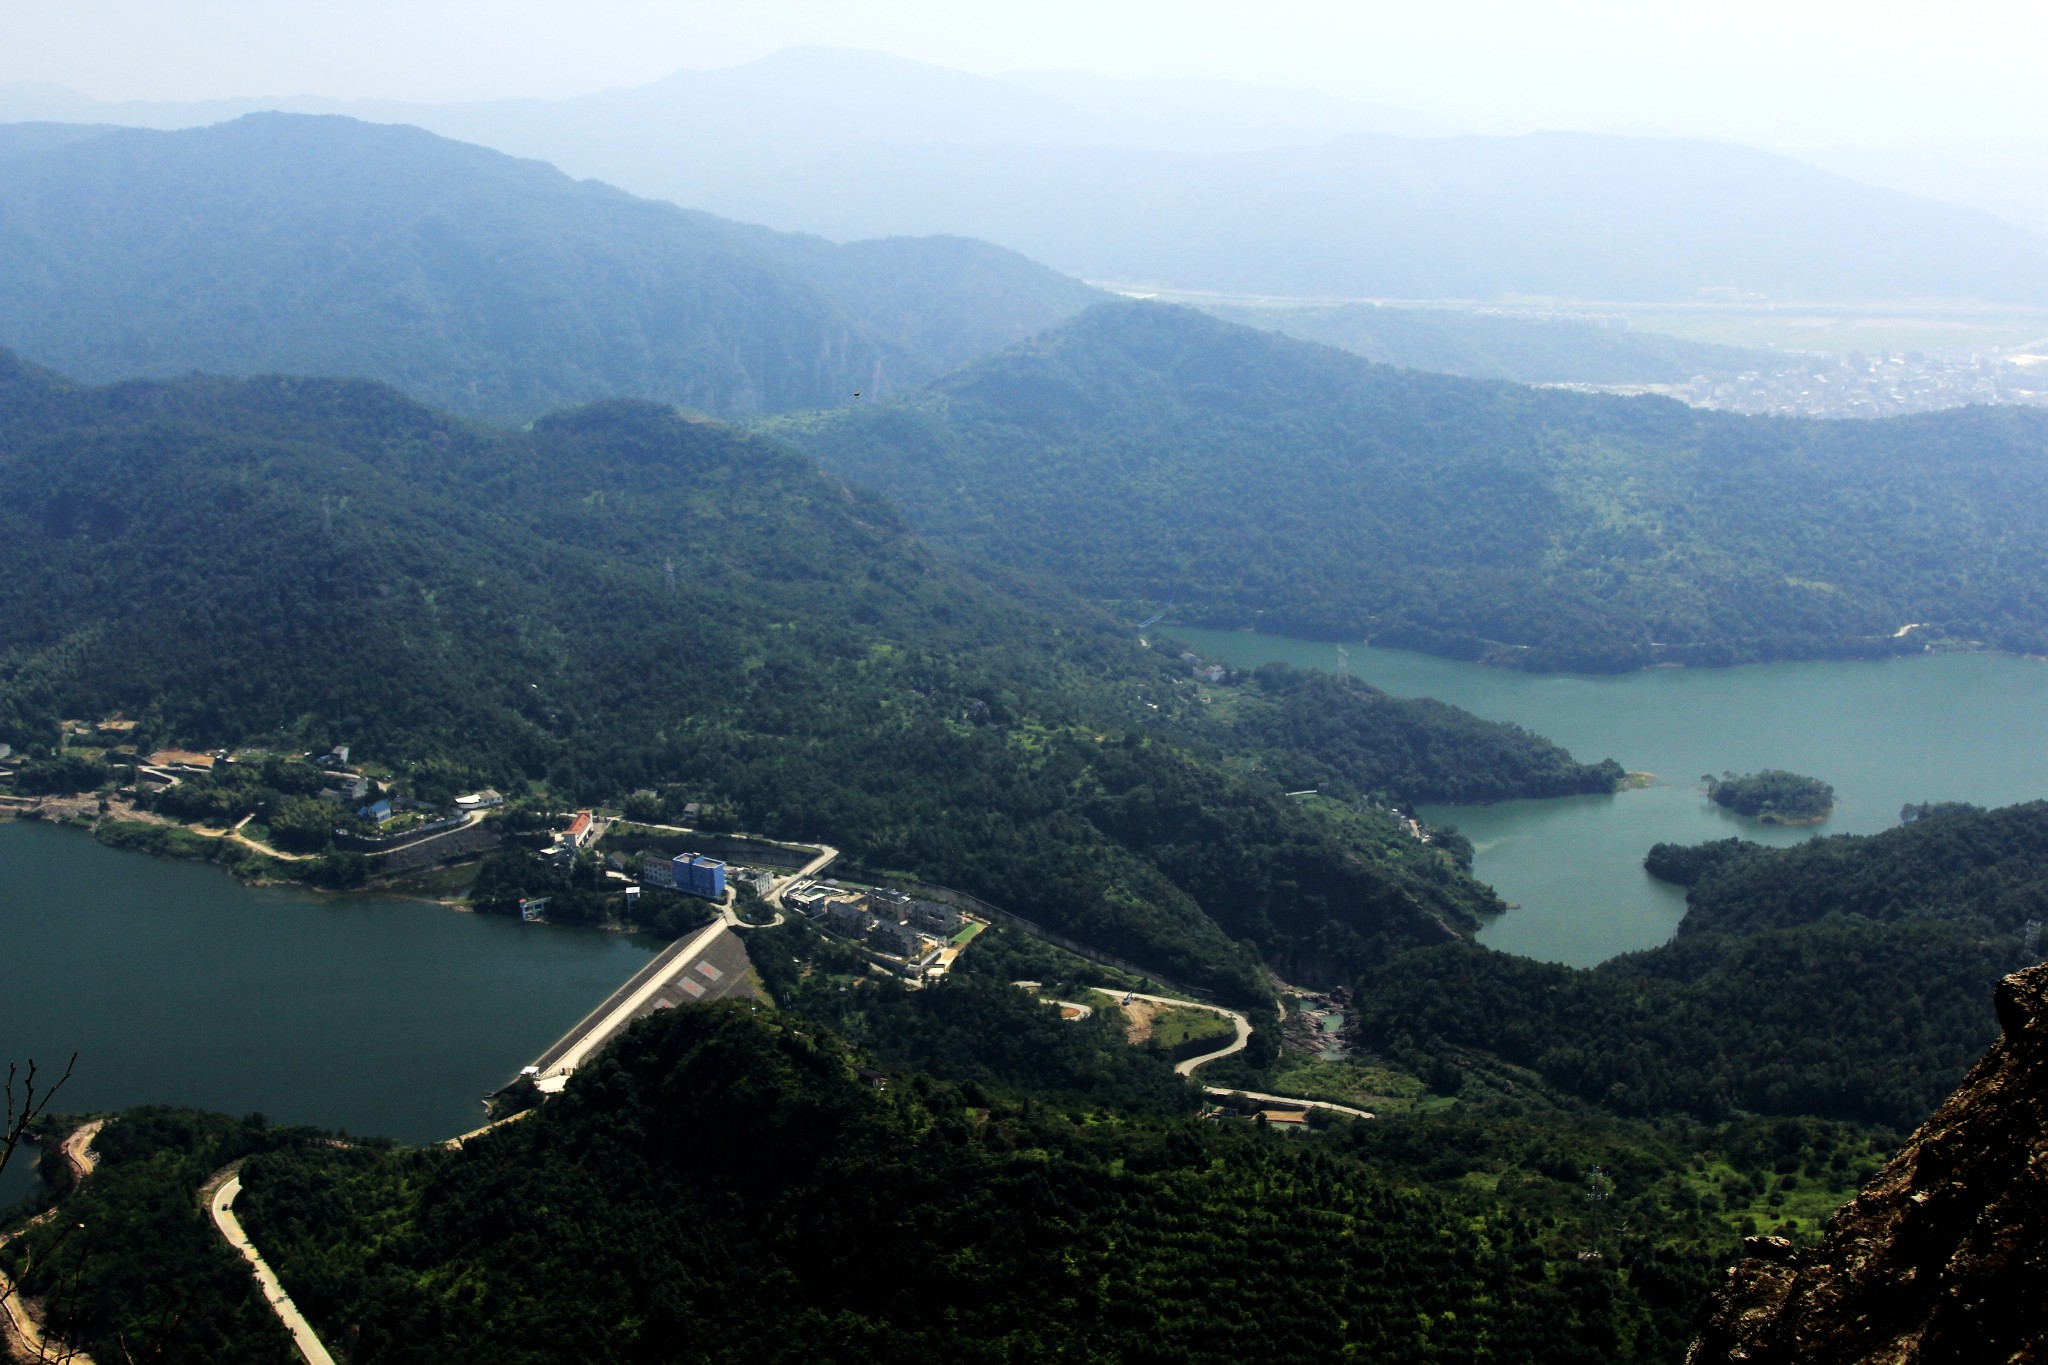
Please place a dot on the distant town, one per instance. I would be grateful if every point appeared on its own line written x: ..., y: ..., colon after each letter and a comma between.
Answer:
x: 1890, y: 384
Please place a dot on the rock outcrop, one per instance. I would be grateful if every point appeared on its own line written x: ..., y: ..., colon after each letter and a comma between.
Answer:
x: 1943, y: 1256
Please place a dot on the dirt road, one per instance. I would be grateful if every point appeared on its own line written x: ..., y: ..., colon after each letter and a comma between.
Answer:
x: 20, y: 1333
x: 1289, y: 1101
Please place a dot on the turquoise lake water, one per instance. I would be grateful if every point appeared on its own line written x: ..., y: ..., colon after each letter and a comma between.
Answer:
x: 176, y: 985
x: 1946, y: 727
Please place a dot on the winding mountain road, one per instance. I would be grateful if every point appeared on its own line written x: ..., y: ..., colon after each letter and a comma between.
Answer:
x: 78, y: 1152
x: 826, y: 854
x: 303, y: 1336
x: 1231, y: 1048
x: 1234, y: 1046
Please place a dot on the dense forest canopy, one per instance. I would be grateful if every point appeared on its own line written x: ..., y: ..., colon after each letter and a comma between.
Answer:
x: 893, y: 616
x: 1848, y: 976
x: 928, y: 1219
x: 1150, y: 456
x: 624, y: 599
x: 491, y: 286
x: 1773, y: 796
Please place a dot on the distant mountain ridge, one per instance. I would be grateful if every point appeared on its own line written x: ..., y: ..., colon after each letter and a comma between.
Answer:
x: 495, y: 287
x: 1146, y: 455
x: 1219, y: 187
x: 1496, y: 346
x: 828, y: 98
x: 1563, y: 215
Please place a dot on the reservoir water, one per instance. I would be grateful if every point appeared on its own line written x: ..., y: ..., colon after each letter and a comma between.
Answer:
x: 1945, y: 727
x: 176, y: 985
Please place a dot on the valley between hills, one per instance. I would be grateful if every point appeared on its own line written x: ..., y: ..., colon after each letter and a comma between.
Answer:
x: 439, y: 596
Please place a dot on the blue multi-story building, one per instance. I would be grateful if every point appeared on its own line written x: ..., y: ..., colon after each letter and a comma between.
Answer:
x: 699, y: 876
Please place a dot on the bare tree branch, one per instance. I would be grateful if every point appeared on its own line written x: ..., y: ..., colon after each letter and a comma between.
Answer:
x: 33, y: 1102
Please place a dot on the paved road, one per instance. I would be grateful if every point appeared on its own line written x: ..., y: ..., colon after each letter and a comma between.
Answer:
x: 1187, y: 1068
x: 294, y: 1322
x: 826, y: 853
x: 235, y: 835
x: 470, y: 818
x: 1236, y: 1045
x: 21, y: 1337
x: 456, y: 1142
x: 1289, y: 1101
x: 78, y: 1152
x: 625, y: 1004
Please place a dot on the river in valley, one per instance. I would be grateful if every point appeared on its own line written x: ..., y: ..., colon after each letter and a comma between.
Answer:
x: 176, y: 985
x: 1946, y: 727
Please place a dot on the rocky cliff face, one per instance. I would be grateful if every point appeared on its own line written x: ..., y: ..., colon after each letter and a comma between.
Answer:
x: 1943, y: 1256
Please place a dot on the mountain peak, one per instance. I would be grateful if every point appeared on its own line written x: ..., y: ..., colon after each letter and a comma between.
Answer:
x: 1940, y: 1257
x: 498, y: 287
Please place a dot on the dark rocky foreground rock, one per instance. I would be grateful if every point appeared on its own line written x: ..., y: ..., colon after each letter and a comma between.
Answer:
x: 1943, y: 1256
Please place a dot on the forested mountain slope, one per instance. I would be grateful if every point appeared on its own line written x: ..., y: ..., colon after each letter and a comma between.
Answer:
x: 490, y: 286
x: 1849, y: 976
x: 623, y: 597
x: 1219, y: 187
x: 721, y: 1186
x: 1528, y: 350
x: 923, y: 1223
x: 1147, y: 455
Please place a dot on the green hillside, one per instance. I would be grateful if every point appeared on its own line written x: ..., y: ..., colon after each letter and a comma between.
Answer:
x: 722, y: 1187
x: 490, y: 286
x: 1152, y: 457
x: 623, y: 598
x: 1848, y: 976
x: 1501, y: 345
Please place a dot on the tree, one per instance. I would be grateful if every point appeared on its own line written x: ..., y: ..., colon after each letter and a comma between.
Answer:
x: 31, y: 1104
x: 302, y: 824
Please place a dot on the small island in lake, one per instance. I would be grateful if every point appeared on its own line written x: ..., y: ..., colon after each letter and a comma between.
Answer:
x: 1773, y: 796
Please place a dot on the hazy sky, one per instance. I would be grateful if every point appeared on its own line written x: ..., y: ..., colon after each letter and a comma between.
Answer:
x: 1793, y: 71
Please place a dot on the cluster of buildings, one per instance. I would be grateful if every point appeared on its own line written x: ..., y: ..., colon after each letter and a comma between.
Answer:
x: 583, y: 830
x: 345, y: 789
x: 1857, y: 385
x: 693, y: 874
x: 890, y: 923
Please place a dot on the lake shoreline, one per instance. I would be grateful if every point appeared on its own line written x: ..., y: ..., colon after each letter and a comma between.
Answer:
x: 1497, y: 656
x: 1965, y: 725
x: 345, y: 1009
